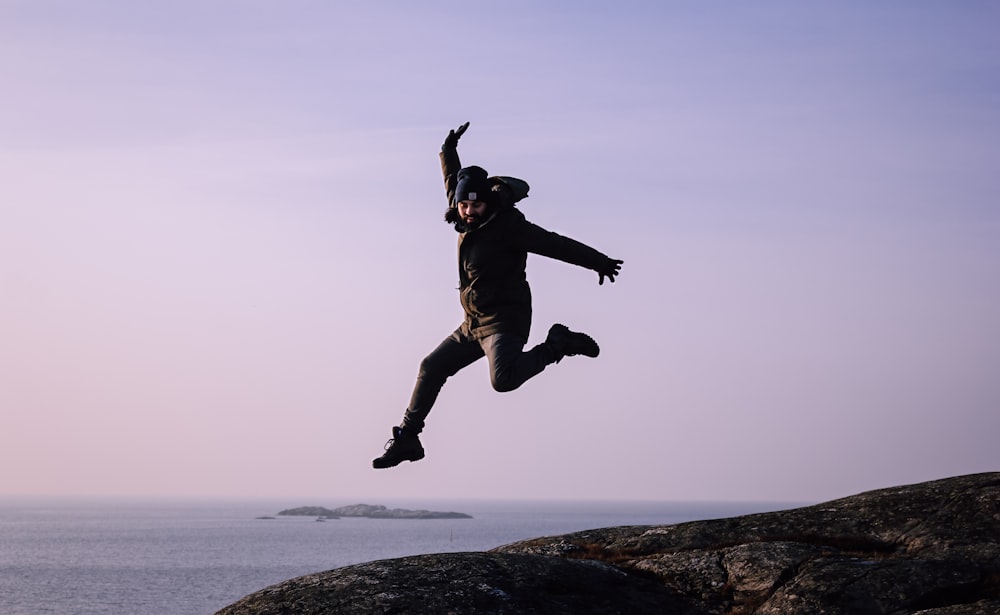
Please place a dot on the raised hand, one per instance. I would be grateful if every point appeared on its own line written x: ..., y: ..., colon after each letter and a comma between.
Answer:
x: 451, y: 141
x: 610, y: 269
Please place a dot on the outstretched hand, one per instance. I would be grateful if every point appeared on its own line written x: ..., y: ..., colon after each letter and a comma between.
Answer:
x: 610, y: 269
x: 451, y: 141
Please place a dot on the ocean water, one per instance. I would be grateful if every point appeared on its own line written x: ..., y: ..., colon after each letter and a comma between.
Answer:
x: 192, y: 558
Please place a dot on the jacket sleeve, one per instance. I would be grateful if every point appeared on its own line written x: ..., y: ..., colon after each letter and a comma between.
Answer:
x: 450, y: 166
x: 537, y: 240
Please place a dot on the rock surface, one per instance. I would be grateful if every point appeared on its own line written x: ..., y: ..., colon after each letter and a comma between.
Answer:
x: 931, y: 548
x: 370, y: 511
x: 462, y: 583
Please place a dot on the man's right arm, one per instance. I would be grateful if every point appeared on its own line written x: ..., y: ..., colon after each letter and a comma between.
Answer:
x: 540, y: 241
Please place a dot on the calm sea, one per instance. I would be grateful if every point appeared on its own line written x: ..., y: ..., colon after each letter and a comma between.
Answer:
x: 193, y: 558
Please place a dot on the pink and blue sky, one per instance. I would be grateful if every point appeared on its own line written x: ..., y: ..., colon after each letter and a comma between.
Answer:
x: 222, y: 254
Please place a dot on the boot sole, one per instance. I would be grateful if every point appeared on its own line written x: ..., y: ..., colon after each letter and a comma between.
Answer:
x: 386, y: 467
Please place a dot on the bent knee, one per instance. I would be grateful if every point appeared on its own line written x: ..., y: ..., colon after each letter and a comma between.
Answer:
x: 504, y: 385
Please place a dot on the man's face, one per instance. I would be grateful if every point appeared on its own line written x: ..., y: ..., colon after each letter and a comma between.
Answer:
x: 472, y: 213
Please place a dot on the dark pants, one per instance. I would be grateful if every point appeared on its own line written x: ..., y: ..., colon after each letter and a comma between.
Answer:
x: 509, y: 368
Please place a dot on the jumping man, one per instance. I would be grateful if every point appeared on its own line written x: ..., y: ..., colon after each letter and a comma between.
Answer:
x: 493, y: 245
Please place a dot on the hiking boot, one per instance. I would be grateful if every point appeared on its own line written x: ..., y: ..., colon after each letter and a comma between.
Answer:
x: 568, y: 343
x: 402, y: 447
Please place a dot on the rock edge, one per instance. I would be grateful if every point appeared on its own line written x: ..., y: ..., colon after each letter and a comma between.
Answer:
x: 932, y: 548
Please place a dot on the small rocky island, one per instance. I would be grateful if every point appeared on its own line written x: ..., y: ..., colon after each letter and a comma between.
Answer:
x: 371, y: 512
x: 928, y: 549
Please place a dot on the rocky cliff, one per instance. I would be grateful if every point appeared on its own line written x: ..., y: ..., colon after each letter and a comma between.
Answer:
x: 931, y: 548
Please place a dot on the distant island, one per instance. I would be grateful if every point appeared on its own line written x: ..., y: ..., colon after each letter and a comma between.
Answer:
x: 369, y: 511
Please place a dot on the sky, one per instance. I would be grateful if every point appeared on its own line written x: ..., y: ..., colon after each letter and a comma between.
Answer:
x: 222, y: 254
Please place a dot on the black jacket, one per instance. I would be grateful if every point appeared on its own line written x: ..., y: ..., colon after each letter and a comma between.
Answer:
x: 493, y: 286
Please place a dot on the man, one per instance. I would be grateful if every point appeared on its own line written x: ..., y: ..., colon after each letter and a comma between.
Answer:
x: 493, y: 244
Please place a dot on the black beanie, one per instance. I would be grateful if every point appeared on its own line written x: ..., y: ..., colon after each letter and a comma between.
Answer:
x: 473, y: 185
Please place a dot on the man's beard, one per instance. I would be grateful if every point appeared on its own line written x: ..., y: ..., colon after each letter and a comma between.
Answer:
x: 473, y: 222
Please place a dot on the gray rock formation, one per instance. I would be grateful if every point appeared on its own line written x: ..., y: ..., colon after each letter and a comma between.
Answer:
x: 461, y: 583
x: 370, y: 511
x: 308, y: 511
x: 381, y: 512
x: 931, y: 548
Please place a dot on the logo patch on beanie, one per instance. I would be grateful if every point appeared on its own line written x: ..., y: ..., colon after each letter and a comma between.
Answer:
x: 472, y: 196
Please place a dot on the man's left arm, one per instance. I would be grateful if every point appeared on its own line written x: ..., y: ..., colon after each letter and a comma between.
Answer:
x: 553, y: 245
x: 450, y: 162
